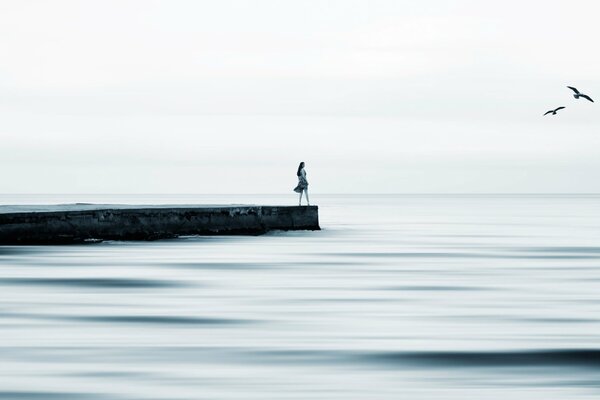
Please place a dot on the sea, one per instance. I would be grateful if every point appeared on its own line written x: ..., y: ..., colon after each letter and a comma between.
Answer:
x: 397, y: 297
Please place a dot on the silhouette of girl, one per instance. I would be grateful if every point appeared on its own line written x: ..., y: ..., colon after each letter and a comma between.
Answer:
x: 302, y: 184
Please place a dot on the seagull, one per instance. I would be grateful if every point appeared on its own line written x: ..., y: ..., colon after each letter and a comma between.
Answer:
x: 578, y: 95
x: 553, y: 112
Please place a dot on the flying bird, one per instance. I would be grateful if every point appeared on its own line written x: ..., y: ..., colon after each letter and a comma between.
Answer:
x: 578, y: 95
x: 553, y: 112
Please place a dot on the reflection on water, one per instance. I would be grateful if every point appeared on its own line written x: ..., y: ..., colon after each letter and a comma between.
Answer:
x: 420, y: 297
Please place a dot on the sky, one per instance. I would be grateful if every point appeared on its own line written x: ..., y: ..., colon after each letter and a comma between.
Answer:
x: 228, y: 96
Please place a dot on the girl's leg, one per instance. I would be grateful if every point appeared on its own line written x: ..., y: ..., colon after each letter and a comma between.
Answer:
x: 300, y: 201
x: 307, y: 201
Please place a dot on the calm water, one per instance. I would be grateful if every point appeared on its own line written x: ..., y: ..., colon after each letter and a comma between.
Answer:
x: 416, y: 297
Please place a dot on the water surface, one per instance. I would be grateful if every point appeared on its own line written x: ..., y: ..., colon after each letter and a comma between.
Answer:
x: 420, y: 297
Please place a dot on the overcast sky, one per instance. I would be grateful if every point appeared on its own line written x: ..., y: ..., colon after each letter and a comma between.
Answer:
x: 138, y: 96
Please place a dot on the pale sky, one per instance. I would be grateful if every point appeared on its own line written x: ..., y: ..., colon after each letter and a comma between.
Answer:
x: 228, y: 96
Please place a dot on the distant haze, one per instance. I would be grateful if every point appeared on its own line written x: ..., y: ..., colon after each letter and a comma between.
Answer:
x: 229, y: 96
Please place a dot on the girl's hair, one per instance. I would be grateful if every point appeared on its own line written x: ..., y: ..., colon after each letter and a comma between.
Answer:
x: 300, y: 168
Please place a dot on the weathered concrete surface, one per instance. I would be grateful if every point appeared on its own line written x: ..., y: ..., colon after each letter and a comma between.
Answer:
x: 150, y: 223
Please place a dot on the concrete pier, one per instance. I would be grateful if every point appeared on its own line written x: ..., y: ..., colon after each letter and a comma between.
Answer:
x: 83, y: 223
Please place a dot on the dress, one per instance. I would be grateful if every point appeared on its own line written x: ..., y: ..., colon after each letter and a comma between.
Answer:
x: 302, y: 182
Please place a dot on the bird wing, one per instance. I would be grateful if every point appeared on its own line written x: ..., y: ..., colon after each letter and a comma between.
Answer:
x: 585, y: 96
x: 573, y: 89
x: 559, y: 108
x: 548, y: 112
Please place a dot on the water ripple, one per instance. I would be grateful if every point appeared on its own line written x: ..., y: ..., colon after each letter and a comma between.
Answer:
x: 106, y: 283
x: 589, y: 358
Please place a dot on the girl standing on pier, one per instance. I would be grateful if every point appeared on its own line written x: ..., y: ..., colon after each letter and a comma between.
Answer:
x: 302, y: 184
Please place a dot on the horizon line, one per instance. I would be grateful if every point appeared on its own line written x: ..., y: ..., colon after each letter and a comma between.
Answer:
x: 312, y: 194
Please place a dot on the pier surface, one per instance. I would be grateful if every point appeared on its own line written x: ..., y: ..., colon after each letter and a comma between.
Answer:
x: 77, y: 223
